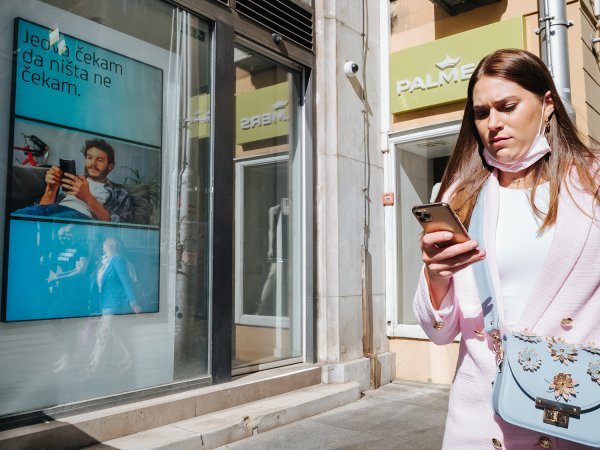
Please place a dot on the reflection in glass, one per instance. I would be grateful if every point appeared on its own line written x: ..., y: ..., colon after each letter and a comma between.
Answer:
x: 420, y: 166
x: 267, y: 327
x: 191, y: 99
x: 121, y: 306
x: 265, y: 243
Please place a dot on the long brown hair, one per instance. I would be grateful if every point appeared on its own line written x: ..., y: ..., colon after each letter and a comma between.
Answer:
x: 467, y: 167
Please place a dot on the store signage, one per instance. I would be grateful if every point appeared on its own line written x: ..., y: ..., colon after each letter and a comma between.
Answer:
x: 198, y: 121
x: 263, y: 113
x: 86, y: 87
x: 438, y: 72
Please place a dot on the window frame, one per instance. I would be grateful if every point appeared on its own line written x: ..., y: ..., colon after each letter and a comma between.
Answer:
x: 393, y: 251
x: 240, y: 317
x: 301, y: 183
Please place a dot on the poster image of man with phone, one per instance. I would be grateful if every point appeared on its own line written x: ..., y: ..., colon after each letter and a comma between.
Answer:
x: 93, y: 196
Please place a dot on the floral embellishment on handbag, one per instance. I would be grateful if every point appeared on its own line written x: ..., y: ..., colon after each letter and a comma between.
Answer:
x: 591, y: 347
x: 563, y: 385
x: 594, y: 371
x: 529, y: 359
x: 526, y: 336
x: 562, y: 351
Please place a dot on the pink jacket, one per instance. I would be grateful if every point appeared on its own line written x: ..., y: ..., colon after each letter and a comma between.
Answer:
x: 568, y: 286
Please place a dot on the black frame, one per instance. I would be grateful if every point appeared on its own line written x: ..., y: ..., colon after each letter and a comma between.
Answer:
x: 226, y: 26
x: 222, y: 251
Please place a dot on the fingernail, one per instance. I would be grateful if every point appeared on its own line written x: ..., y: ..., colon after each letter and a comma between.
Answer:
x: 473, y: 244
x: 447, y: 235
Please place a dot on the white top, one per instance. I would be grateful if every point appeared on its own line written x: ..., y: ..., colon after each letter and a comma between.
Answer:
x: 520, y: 252
x: 97, y: 190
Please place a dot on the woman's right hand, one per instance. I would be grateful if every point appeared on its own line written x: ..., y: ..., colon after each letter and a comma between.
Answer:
x: 442, y: 261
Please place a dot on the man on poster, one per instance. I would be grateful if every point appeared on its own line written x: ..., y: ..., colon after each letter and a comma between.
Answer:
x: 92, y: 196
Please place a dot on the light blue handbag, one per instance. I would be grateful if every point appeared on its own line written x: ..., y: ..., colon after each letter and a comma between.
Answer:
x: 543, y: 383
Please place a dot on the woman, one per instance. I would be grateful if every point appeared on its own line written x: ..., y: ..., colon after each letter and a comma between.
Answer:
x: 113, y: 291
x: 541, y: 239
x: 112, y: 285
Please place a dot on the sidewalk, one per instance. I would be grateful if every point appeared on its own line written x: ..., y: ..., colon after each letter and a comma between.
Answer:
x: 401, y: 415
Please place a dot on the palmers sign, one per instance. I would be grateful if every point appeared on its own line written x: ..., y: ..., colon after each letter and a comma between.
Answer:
x: 438, y: 72
x: 263, y: 113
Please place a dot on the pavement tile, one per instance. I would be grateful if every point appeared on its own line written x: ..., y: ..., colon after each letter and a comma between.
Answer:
x: 355, y: 418
x: 420, y: 441
x: 367, y: 442
x: 397, y: 416
x: 302, y: 435
x: 409, y: 427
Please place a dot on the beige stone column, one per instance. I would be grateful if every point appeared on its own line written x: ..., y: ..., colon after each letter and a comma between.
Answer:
x: 349, y: 188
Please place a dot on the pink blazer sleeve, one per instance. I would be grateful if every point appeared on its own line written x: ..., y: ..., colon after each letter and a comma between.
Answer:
x: 441, y: 326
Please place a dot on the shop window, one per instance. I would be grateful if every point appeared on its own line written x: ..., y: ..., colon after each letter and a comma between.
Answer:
x: 421, y: 157
x: 267, y: 164
x: 112, y: 295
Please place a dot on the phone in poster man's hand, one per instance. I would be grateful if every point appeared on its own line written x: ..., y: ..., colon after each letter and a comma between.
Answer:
x: 68, y: 166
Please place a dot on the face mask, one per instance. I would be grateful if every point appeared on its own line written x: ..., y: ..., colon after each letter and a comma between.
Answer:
x: 538, y: 149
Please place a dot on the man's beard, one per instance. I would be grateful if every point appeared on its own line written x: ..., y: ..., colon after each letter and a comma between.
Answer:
x: 101, y: 177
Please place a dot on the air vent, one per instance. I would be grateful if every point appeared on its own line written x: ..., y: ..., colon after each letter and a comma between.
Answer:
x: 430, y: 144
x: 281, y: 16
x: 454, y: 7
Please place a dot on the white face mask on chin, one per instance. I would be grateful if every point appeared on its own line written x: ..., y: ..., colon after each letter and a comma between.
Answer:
x: 539, y: 148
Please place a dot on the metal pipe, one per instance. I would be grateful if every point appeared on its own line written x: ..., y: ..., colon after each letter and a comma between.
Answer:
x: 555, y: 48
x: 597, y: 8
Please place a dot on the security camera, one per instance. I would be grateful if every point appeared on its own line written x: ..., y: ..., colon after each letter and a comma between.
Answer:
x: 350, y: 68
x: 277, y: 38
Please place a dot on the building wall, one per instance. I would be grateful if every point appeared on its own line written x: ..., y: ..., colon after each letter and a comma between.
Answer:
x: 420, y: 360
x: 589, y: 77
x: 415, y: 22
x: 349, y: 186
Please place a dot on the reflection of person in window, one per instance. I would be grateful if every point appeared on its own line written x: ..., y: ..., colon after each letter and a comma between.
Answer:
x: 66, y: 281
x: 92, y: 196
x: 113, y: 283
x: 68, y: 264
x: 112, y: 288
x: 271, y: 280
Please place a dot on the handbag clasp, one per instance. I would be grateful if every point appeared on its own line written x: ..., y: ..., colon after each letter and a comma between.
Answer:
x: 497, y: 346
x: 557, y: 413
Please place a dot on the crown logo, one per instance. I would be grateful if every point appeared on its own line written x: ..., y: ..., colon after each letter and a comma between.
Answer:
x: 280, y: 104
x: 447, y: 62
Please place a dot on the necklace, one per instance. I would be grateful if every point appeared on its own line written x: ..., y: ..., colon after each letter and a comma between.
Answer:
x: 516, y: 182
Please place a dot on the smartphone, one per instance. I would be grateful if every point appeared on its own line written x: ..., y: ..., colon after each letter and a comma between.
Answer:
x: 440, y: 217
x: 68, y: 166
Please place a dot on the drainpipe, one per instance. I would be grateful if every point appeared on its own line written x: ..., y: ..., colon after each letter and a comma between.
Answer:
x: 555, y: 48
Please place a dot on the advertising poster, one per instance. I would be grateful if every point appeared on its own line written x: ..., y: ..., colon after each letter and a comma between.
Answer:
x: 83, y: 193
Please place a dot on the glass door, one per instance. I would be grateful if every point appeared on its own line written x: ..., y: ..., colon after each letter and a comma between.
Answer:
x: 421, y: 162
x: 267, y: 328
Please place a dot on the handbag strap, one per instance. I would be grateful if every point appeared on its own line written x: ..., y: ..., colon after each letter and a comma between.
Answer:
x: 482, y: 273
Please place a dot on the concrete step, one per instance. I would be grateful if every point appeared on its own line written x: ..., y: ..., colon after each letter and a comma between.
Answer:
x: 80, y: 430
x: 220, y: 428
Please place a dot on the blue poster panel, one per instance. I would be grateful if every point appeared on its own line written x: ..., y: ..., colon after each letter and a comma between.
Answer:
x: 83, y: 189
x: 72, y: 83
x: 67, y: 269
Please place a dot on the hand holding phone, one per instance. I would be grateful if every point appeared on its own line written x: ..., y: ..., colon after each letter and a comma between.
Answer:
x: 443, y: 258
x: 440, y: 217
